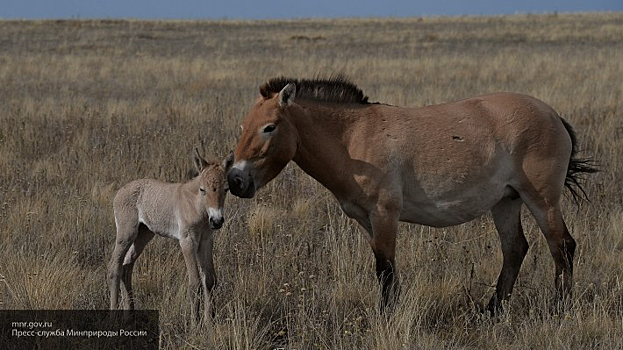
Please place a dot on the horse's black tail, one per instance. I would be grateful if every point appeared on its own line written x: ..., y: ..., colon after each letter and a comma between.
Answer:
x: 578, y: 167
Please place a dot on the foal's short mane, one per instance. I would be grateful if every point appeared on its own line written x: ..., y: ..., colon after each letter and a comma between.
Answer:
x: 333, y: 89
x: 192, y: 173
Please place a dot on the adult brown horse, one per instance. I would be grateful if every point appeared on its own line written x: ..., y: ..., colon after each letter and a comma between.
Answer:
x: 438, y: 165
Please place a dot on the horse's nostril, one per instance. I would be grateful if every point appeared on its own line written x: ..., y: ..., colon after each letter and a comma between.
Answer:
x: 238, y: 182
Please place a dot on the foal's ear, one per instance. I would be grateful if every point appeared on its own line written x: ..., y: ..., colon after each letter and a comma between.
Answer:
x: 228, y: 161
x: 198, y: 161
x: 287, y: 94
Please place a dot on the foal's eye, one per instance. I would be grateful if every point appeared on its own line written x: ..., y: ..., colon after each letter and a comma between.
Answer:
x: 203, y: 190
x: 269, y: 128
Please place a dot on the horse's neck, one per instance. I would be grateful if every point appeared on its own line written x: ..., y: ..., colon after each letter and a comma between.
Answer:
x: 323, y: 145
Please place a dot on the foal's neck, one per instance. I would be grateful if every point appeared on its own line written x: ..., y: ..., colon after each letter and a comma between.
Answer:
x: 191, y: 185
x: 188, y: 192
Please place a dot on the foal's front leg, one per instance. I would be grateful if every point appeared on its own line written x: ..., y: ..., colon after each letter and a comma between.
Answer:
x: 208, y: 275
x: 189, y: 246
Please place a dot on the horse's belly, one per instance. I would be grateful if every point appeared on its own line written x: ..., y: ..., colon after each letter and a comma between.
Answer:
x: 450, y: 210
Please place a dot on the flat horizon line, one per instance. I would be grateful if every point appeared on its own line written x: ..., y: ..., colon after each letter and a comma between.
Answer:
x: 306, y: 18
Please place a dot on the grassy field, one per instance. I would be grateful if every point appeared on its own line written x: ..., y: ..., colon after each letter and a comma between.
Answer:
x: 87, y: 106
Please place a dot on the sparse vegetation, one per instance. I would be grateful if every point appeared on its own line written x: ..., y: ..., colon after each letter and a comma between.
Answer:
x: 86, y: 106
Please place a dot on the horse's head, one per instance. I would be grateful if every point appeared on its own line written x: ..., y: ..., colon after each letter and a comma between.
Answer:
x: 268, y: 143
x: 212, y: 187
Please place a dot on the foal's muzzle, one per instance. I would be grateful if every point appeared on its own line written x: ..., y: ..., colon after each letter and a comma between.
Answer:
x: 216, y: 218
x: 240, y: 183
x: 216, y: 223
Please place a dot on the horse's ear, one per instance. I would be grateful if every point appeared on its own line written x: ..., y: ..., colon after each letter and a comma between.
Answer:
x: 198, y: 161
x: 228, y: 161
x: 287, y: 94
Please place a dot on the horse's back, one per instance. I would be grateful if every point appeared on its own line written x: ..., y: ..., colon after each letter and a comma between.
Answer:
x: 507, y: 111
x: 473, y: 130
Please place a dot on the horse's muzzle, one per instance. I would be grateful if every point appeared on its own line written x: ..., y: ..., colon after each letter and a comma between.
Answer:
x: 240, y: 183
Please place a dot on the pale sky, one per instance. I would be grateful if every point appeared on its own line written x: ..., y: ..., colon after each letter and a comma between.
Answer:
x: 288, y: 9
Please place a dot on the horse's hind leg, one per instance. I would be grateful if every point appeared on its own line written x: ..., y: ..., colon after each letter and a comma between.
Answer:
x: 545, y: 170
x: 561, y: 244
x: 542, y: 197
x: 126, y: 233
x: 143, y: 237
x: 507, y: 218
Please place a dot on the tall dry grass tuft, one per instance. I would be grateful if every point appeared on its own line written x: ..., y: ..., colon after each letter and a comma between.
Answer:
x: 86, y: 106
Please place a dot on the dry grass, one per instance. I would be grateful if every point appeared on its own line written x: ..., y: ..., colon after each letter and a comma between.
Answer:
x: 86, y: 106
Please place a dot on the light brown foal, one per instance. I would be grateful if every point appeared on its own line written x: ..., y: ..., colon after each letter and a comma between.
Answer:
x: 438, y: 165
x: 188, y: 212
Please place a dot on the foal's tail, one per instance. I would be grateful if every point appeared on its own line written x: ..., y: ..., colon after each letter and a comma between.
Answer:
x: 577, y: 167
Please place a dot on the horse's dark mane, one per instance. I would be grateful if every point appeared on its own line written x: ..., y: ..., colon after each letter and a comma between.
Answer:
x: 336, y: 88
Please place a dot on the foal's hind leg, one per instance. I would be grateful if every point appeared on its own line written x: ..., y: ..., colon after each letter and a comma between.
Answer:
x: 126, y: 233
x: 143, y: 237
x: 507, y: 218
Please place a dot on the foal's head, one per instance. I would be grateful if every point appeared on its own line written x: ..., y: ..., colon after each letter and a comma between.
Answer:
x: 267, y: 144
x: 212, y: 186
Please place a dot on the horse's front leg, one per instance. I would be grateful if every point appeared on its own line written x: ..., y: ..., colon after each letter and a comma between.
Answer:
x: 383, y: 242
x: 189, y: 248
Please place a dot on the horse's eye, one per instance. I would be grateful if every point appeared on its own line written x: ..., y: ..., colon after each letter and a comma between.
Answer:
x: 269, y: 128
x: 203, y: 190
